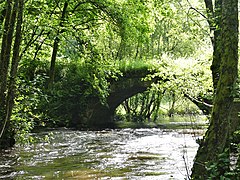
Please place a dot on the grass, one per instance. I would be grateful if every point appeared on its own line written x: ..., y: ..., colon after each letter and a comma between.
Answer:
x: 133, y: 66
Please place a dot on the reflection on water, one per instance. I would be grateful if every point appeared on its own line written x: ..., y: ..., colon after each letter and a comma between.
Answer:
x: 110, y: 154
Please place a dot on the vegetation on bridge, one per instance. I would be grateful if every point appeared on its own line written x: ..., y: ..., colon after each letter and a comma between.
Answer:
x: 58, y: 56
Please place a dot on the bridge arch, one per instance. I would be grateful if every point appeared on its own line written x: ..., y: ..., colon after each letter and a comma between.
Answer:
x: 101, y: 116
x: 98, y: 115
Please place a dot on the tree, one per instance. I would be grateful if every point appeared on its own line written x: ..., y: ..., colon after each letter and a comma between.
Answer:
x: 14, y: 13
x: 88, y: 37
x: 215, y: 26
x: 216, y: 138
x: 56, y: 44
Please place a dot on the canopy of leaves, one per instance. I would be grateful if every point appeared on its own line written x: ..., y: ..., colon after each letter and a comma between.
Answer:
x: 98, y: 40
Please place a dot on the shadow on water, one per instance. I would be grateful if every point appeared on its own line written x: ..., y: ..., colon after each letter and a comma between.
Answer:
x: 144, y: 153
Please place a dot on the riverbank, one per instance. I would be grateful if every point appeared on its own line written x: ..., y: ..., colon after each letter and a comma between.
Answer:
x: 175, y: 122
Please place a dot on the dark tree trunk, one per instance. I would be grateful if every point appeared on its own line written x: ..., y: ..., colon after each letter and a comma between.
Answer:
x: 216, y: 138
x: 55, y: 47
x: 2, y: 16
x: 7, y: 132
x: 5, y: 53
x: 214, y: 22
x: 217, y: 50
x: 53, y: 61
x: 4, y: 62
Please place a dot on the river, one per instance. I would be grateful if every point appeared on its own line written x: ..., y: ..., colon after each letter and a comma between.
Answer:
x: 144, y: 154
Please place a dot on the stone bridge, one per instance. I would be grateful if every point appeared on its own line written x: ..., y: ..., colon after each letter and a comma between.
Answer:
x: 98, y: 115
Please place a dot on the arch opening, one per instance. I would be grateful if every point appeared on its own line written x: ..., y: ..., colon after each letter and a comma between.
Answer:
x: 147, y: 102
x: 155, y: 106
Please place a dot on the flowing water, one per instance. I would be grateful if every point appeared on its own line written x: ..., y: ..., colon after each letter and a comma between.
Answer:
x: 144, y: 154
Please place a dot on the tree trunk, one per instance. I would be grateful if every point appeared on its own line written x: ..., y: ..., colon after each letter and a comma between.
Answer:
x: 5, y: 53
x: 214, y: 22
x: 5, y: 59
x: 2, y: 16
x: 7, y: 133
x: 216, y: 138
x: 217, y: 50
x: 55, y: 47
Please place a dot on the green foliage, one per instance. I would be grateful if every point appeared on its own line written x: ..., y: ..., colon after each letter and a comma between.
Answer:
x: 77, y: 83
x: 223, y: 168
x: 220, y: 169
x: 26, y: 113
x: 236, y: 137
x: 101, y: 41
